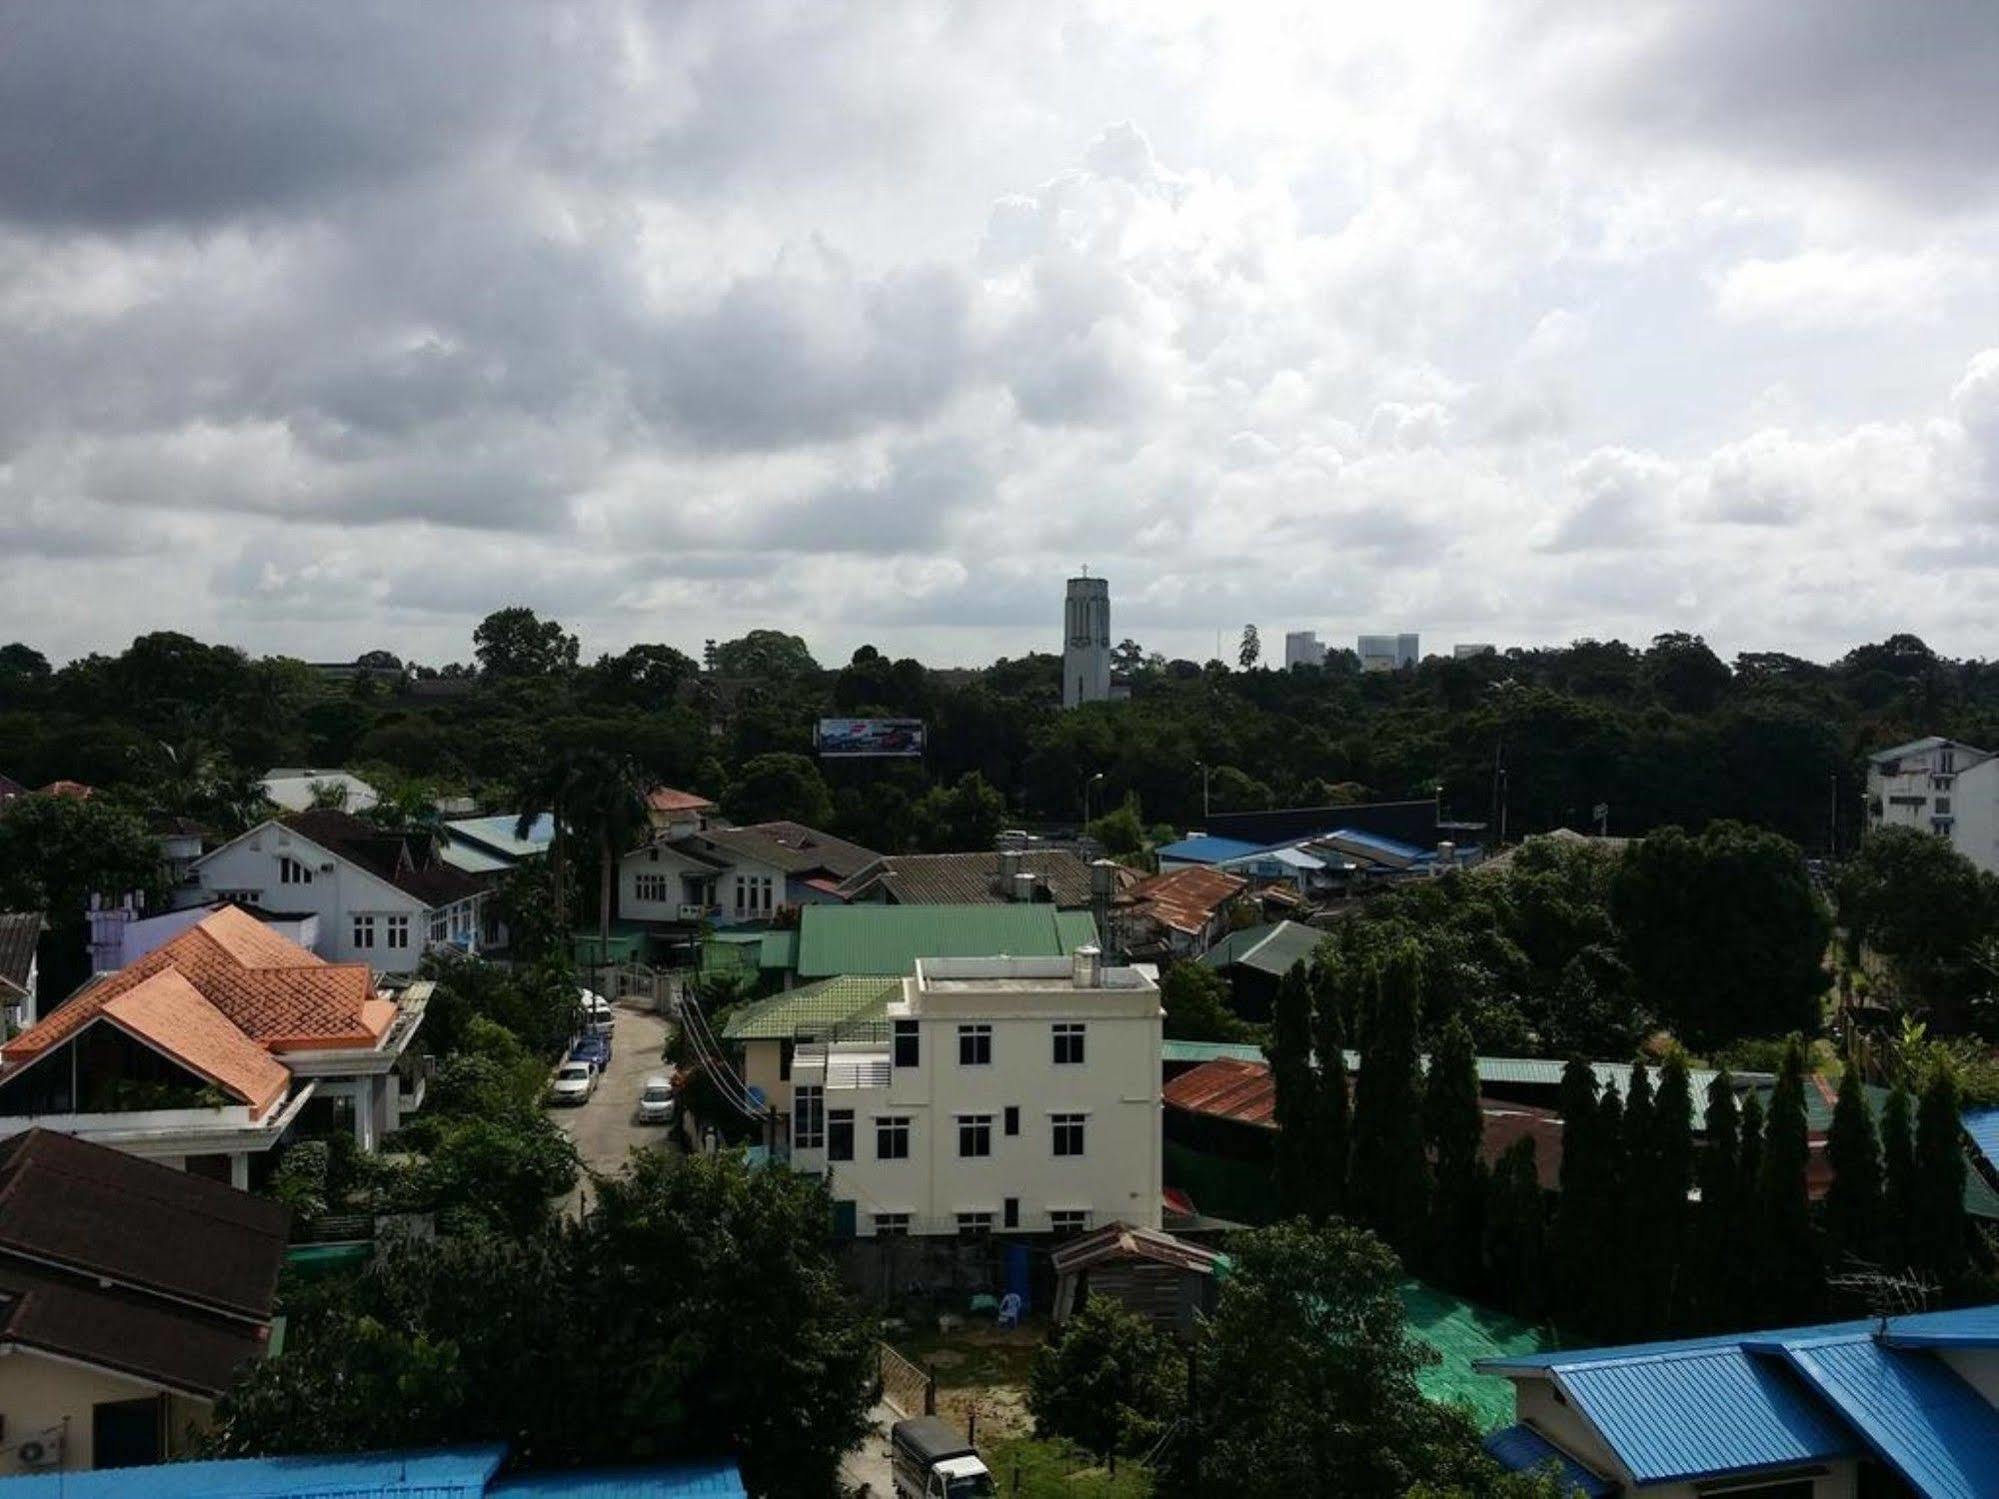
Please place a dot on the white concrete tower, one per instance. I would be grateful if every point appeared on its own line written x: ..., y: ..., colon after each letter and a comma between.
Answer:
x: 1086, y: 642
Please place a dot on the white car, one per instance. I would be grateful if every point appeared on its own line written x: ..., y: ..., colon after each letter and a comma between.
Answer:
x: 573, y: 1083
x: 656, y: 1102
x: 599, y: 1014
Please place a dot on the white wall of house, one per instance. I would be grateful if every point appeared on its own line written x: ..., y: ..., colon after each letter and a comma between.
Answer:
x: 362, y: 917
x: 1112, y: 1092
x: 655, y: 882
x: 120, y: 936
x: 43, y: 1397
x: 1948, y: 789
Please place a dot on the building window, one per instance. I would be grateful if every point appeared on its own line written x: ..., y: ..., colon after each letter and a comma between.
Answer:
x: 291, y: 872
x: 753, y: 894
x: 1946, y: 760
x: 1069, y: 1043
x: 975, y: 1045
x: 892, y: 1138
x: 1943, y: 806
x: 784, y: 1052
x: 1940, y: 783
x: 241, y: 897
x: 437, y: 926
x: 1069, y: 1221
x: 1010, y: 1213
x: 364, y: 931
x: 908, y: 1045
x: 891, y: 1225
x: 808, y: 1117
x: 1012, y: 1119
x: 839, y: 1134
x: 396, y: 932
x: 1068, y: 1133
x: 975, y: 1225
x: 975, y: 1135
x: 650, y: 887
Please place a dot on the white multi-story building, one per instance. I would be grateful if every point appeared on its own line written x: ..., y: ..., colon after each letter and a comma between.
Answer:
x: 1389, y: 652
x: 1942, y: 787
x: 1303, y: 648
x: 999, y: 1095
x: 1467, y: 648
x: 1086, y: 642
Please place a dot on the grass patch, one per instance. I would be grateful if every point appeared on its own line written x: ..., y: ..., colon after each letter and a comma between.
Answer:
x: 1057, y: 1470
x: 976, y: 1356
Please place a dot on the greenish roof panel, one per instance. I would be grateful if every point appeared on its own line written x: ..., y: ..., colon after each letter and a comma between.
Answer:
x: 887, y: 940
x: 829, y: 1002
x: 1461, y: 1331
x: 1207, y: 1051
x: 778, y: 950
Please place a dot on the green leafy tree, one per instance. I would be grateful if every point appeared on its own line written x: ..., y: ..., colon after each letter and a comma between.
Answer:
x: 607, y: 807
x: 1454, y: 1128
x: 1925, y: 908
x: 779, y: 786
x: 1306, y: 1379
x: 1121, y: 830
x: 1939, y: 1235
x: 1663, y: 1190
x: 1196, y: 1001
x: 1852, y: 1209
x: 1391, y: 1178
x: 1250, y: 651
x: 965, y: 815
x: 682, y: 1266
x: 1758, y: 968
x: 1791, y: 1272
x: 515, y: 644
x: 1586, y: 1188
x: 1109, y: 1380
x: 767, y: 655
x: 1517, y: 1231
x: 1722, y: 1238
x: 649, y: 677
x: 58, y: 851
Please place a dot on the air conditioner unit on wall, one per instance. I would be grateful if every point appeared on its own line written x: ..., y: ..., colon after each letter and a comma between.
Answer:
x: 44, y: 1451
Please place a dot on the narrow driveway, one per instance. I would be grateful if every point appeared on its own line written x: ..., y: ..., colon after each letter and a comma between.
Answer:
x: 606, y: 1129
x: 867, y: 1468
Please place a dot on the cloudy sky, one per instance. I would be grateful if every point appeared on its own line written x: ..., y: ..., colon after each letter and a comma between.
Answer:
x: 331, y: 327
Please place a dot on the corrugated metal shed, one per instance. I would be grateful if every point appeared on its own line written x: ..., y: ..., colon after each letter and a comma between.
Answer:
x: 889, y: 939
x: 445, y: 1473
x: 1983, y: 1127
x: 1704, y: 1413
x: 1207, y: 1051
x: 829, y: 1002
x: 1273, y: 948
x: 1225, y: 1088
x: 1204, y: 850
x: 1912, y: 1410
x: 706, y: 1480
x: 1521, y: 1449
x: 1186, y: 899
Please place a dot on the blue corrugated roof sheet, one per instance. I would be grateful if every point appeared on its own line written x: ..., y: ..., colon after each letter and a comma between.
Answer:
x: 706, y: 1480
x: 1967, y: 1327
x: 445, y: 1473
x: 1703, y: 1413
x: 1912, y: 1409
x: 1521, y: 1449
x: 1983, y: 1127
x: 1202, y: 849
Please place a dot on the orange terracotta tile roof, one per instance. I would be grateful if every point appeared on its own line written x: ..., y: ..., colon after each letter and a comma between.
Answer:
x: 74, y: 790
x: 666, y: 799
x: 170, y: 1015
x: 271, y: 989
x: 1186, y: 899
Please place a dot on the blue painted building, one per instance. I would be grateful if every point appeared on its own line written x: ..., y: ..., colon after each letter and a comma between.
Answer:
x: 1906, y: 1405
x: 434, y: 1473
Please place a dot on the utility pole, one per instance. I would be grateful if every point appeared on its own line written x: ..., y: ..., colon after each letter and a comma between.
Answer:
x: 1205, y: 768
x: 1832, y: 820
x: 1086, y: 796
x: 1502, y: 806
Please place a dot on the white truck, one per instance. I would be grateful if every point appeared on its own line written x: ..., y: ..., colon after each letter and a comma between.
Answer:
x: 931, y: 1461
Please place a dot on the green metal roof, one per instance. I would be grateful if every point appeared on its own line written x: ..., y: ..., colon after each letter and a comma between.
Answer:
x: 869, y: 939
x: 1207, y: 1051
x: 778, y: 950
x: 1461, y: 1331
x: 829, y: 1002
x: 1821, y: 1093
x: 1274, y: 948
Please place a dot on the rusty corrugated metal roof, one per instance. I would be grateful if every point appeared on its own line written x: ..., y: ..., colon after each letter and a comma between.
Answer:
x: 1227, y: 1089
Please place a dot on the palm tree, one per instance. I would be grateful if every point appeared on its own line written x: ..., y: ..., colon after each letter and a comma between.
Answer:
x: 553, y: 791
x: 609, y: 806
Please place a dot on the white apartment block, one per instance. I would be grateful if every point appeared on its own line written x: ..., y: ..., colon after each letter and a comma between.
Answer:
x: 1941, y: 787
x: 1389, y: 652
x: 1303, y: 648
x: 999, y: 1095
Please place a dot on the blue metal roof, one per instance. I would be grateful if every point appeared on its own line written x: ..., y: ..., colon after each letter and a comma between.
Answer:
x: 704, y: 1480
x: 1393, y: 847
x: 1983, y: 1127
x: 444, y: 1473
x: 1913, y: 1410
x: 1703, y: 1413
x: 1521, y: 1449
x: 1202, y: 849
x: 1967, y: 1327
x: 1620, y: 1352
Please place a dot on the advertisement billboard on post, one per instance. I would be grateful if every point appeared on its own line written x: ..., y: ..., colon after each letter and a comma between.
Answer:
x: 858, y: 738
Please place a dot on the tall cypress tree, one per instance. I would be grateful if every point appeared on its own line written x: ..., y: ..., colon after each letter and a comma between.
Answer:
x: 1390, y: 1175
x: 1898, y: 1179
x: 1575, y: 1239
x: 1516, y: 1232
x: 1745, y: 1310
x: 1793, y: 1280
x: 1852, y: 1211
x: 1290, y: 1053
x: 1333, y: 981
x: 1453, y: 1129
x: 1669, y: 1177
x: 1606, y: 1284
x: 1937, y: 1226
x: 1721, y: 1234
x: 1630, y: 1232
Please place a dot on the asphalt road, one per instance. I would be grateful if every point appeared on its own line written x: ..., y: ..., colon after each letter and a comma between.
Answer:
x: 606, y: 1129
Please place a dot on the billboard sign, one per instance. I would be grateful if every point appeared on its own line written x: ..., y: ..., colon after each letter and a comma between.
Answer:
x: 858, y: 738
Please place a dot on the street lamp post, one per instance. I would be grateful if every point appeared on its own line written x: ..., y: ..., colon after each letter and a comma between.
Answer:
x: 1086, y: 796
x: 1205, y: 769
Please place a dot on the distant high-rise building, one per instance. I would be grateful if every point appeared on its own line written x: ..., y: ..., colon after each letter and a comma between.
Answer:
x: 1086, y: 642
x: 1304, y: 648
x: 1389, y: 652
x: 1466, y: 648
